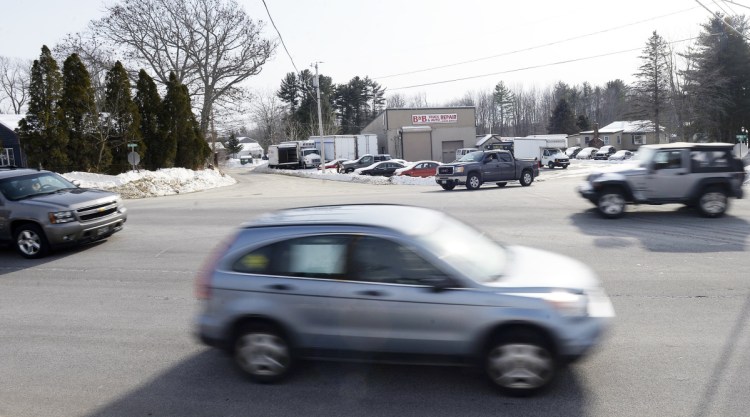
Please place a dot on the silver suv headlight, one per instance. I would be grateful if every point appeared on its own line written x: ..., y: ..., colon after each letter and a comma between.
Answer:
x: 61, y: 217
x: 566, y: 303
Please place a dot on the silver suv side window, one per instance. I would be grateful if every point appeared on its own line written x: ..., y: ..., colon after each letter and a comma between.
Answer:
x: 313, y: 257
x: 669, y: 159
x: 710, y: 161
x: 380, y: 260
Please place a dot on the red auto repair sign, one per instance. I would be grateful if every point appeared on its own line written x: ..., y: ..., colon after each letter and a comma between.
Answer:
x: 423, y: 119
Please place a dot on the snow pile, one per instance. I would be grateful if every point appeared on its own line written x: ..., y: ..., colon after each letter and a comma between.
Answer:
x: 141, y: 184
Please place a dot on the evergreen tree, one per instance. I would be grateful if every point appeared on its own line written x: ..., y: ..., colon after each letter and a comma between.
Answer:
x: 298, y: 93
x: 185, y: 146
x: 81, y: 116
x: 719, y: 82
x: 503, y: 100
x: 233, y: 145
x: 42, y: 131
x: 562, y: 119
x: 357, y: 103
x: 149, y: 108
x: 582, y: 123
x: 123, y: 120
x: 651, y: 89
x: 289, y: 91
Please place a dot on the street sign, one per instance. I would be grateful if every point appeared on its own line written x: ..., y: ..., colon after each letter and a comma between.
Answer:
x: 741, y: 138
x: 134, y: 158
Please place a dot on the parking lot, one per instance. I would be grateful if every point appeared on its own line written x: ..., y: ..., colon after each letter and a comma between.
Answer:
x: 107, y: 329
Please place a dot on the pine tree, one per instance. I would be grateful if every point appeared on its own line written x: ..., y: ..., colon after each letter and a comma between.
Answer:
x: 81, y: 115
x: 562, y: 119
x: 502, y: 99
x: 651, y: 89
x: 149, y: 108
x: 233, y: 145
x: 123, y: 119
x: 42, y: 133
x: 582, y: 123
x: 186, y: 147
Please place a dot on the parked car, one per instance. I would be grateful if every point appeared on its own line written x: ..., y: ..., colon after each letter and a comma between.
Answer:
x: 346, y: 167
x: 572, y: 151
x: 333, y: 164
x: 420, y: 169
x: 41, y: 211
x: 399, y: 283
x: 701, y: 175
x: 586, y: 153
x: 382, y: 169
x: 604, y: 152
x: 621, y: 155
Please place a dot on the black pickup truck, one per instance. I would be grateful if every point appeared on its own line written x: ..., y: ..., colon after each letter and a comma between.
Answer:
x: 476, y: 168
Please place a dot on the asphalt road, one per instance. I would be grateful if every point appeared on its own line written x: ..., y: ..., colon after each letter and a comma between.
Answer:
x: 105, y: 330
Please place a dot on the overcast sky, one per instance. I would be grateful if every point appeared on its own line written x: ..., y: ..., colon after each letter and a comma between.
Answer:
x: 522, y: 42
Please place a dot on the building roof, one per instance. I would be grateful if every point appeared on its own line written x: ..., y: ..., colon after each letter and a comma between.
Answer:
x: 11, y: 120
x: 635, y: 126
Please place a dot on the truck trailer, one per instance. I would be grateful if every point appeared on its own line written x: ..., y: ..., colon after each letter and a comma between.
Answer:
x: 293, y: 155
x: 548, y: 151
x: 346, y: 146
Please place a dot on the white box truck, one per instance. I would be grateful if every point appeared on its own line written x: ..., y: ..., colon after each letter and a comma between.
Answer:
x: 293, y: 155
x: 346, y: 146
x: 548, y: 151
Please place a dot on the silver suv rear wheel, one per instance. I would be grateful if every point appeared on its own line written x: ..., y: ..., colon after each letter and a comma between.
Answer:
x: 263, y: 354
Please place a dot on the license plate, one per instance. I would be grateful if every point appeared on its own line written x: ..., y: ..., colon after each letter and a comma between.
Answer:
x: 442, y: 181
x: 102, y: 231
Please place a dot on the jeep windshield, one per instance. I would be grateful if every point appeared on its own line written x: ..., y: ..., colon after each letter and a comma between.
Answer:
x: 472, y: 157
x: 25, y: 186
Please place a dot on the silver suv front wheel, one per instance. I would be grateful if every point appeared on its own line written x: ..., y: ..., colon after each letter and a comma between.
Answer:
x: 263, y: 354
x: 520, y: 363
x: 31, y: 242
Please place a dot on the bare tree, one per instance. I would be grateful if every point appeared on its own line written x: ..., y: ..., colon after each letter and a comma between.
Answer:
x: 268, y: 115
x: 14, y: 82
x: 395, y: 101
x: 96, y: 55
x: 210, y: 45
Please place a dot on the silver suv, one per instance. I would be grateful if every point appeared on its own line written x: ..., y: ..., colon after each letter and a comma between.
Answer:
x: 41, y: 211
x: 388, y: 282
x: 701, y: 175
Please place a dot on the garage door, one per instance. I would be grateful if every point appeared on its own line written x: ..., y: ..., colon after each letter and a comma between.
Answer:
x: 450, y: 148
x: 417, y: 146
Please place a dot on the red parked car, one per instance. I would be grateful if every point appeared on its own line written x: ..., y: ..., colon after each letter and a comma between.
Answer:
x: 420, y: 169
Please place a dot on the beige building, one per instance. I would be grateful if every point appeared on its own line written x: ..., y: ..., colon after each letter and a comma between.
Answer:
x: 424, y: 133
x: 622, y: 135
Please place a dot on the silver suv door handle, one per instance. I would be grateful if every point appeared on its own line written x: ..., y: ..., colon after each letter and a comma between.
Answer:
x: 371, y: 293
x: 280, y: 287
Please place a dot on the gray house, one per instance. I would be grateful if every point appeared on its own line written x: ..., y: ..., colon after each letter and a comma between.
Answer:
x: 628, y: 135
x: 10, y: 144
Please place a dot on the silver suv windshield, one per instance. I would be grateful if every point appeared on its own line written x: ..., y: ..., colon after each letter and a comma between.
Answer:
x: 38, y: 183
x: 467, y: 250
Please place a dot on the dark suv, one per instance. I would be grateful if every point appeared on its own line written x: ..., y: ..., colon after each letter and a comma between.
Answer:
x: 41, y: 210
x: 701, y: 175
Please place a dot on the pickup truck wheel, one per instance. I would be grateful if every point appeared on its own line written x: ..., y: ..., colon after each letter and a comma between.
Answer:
x: 611, y: 204
x: 713, y: 202
x: 31, y: 242
x: 473, y: 182
x: 565, y: 167
x: 502, y: 184
x: 448, y: 187
x: 526, y: 178
x: 551, y: 165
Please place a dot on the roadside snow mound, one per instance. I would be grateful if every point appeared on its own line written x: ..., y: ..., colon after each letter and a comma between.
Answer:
x: 144, y: 184
x: 332, y: 175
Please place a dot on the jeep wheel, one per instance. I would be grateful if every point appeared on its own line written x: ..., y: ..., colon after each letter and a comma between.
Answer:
x: 520, y: 363
x: 526, y: 178
x: 502, y: 184
x: 713, y: 202
x: 263, y: 354
x: 611, y: 204
x: 30, y: 241
x: 448, y: 187
x: 473, y: 182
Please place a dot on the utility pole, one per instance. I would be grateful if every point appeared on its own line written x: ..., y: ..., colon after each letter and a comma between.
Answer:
x: 320, y: 122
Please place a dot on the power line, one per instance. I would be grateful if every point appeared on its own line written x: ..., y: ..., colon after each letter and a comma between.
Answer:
x: 736, y: 4
x: 531, y: 48
x: 528, y: 68
x: 719, y: 6
x: 730, y: 8
x: 280, y: 38
x: 716, y: 15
